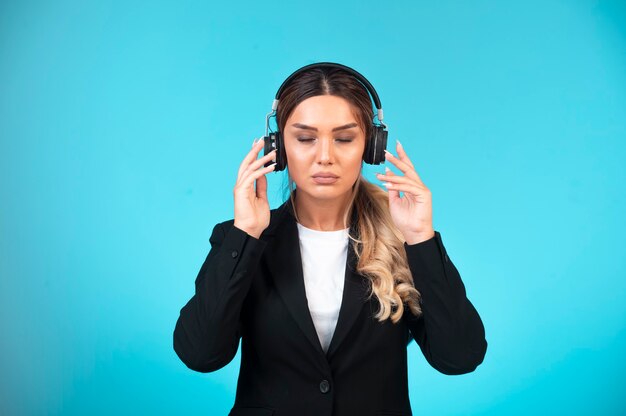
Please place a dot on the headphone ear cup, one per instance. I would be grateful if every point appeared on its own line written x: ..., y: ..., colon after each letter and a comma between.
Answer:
x: 274, y: 141
x: 281, y: 162
x: 374, y: 153
x: 381, y: 145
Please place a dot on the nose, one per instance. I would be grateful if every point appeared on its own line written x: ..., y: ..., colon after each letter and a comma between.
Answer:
x: 325, y: 154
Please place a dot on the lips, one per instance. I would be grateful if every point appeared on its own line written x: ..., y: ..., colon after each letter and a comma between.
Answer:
x: 325, y: 178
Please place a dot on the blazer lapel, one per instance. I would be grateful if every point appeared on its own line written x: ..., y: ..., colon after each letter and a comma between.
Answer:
x: 285, y: 264
x: 355, y: 289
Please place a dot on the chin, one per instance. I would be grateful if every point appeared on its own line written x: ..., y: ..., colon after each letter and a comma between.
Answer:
x: 325, y: 192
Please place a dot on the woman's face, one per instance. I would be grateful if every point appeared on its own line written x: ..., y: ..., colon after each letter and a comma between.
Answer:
x: 324, y: 146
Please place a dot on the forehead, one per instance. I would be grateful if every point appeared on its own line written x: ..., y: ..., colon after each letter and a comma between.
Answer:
x: 323, y: 110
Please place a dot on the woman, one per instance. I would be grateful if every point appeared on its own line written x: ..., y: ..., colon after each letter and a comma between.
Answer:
x: 326, y: 291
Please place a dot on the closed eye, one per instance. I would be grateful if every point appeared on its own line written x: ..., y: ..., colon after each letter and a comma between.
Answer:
x: 339, y: 139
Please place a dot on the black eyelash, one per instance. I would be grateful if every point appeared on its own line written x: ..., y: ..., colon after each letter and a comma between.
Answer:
x: 342, y: 140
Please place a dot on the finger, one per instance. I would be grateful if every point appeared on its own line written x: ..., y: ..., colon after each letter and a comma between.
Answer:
x: 250, y: 157
x: 393, y: 194
x: 255, y: 164
x: 393, y: 178
x: 248, y: 179
x: 406, y: 169
x: 259, y: 162
x: 388, y: 175
x: 407, y: 189
x: 402, y: 154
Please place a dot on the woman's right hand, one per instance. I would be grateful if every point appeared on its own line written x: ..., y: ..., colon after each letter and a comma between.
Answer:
x: 252, y: 210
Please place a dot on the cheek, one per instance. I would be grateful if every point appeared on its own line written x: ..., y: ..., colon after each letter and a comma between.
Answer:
x: 355, y: 168
x: 297, y: 162
x: 354, y: 156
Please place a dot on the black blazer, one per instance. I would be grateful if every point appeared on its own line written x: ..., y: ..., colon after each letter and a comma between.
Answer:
x: 253, y: 289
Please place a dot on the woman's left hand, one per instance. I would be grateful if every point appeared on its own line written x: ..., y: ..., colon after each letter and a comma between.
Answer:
x: 412, y: 213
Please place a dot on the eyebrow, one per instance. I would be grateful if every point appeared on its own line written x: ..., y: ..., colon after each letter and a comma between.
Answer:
x: 305, y: 127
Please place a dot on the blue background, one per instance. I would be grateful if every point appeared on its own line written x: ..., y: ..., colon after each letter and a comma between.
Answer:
x: 123, y: 124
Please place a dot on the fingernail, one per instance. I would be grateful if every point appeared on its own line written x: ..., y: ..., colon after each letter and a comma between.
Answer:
x: 387, y: 169
x: 388, y: 152
x: 387, y: 184
x: 398, y: 141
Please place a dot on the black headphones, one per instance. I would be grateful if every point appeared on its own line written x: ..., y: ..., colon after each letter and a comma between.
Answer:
x: 375, y: 145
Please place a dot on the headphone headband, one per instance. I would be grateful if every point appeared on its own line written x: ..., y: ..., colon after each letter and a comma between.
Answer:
x: 356, y: 74
x: 360, y: 77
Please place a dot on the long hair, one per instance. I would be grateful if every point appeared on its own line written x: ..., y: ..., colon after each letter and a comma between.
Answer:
x: 378, y: 244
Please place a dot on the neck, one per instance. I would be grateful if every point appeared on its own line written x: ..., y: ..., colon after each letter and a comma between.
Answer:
x: 321, y: 214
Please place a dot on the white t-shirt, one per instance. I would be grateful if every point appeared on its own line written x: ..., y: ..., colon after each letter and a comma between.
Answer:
x: 324, y: 255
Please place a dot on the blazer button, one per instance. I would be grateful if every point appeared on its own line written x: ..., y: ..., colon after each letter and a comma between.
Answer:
x: 234, y: 253
x: 324, y: 386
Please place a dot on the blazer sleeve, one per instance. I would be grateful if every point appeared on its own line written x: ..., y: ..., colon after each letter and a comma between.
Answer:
x: 207, y: 332
x: 450, y: 332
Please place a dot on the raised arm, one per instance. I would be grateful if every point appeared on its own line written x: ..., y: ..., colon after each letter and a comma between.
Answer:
x: 207, y: 332
x: 450, y: 332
